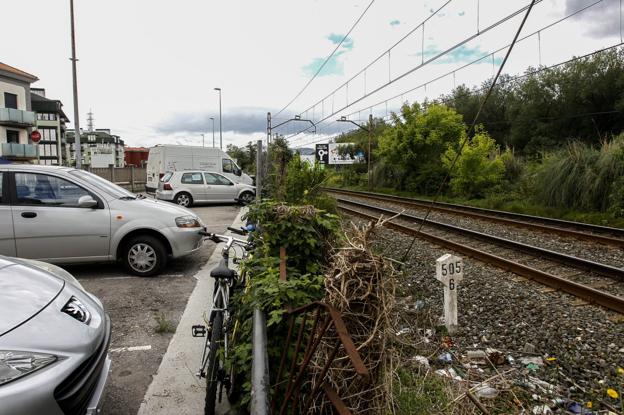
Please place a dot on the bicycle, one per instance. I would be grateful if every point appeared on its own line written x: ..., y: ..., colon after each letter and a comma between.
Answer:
x: 216, y: 333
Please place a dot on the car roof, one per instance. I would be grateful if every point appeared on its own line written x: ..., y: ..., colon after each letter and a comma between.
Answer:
x: 35, y: 167
x: 194, y: 171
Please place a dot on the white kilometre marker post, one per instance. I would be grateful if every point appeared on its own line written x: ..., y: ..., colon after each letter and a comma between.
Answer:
x: 450, y: 271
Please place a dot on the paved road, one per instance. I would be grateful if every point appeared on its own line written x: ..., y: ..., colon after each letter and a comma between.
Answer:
x: 134, y: 302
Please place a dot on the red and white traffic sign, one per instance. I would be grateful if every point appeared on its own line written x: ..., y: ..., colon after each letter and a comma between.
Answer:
x: 35, y: 136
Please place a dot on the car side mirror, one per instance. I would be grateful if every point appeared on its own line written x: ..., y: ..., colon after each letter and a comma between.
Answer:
x: 87, y: 201
x: 238, y: 172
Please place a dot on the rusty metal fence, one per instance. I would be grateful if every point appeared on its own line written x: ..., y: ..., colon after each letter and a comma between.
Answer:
x: 295, y: 387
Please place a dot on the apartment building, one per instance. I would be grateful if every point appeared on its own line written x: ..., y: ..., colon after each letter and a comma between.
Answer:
x: 16, y: 116
x: 51, y: 124
x: 99, y: 147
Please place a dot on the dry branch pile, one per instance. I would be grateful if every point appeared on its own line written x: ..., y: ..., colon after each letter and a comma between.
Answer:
x: 360, y: 285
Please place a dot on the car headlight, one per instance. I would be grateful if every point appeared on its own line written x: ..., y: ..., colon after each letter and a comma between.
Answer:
x: 15, y: 364
x: 188, y: 222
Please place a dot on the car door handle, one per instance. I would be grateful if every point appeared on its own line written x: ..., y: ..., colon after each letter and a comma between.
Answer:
x: 29, y: 215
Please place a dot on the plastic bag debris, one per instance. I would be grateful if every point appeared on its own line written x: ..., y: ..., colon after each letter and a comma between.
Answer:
x: 421, y: 361
x: 536, y: 360
x: 445, y: 358
x: 486, y: 392
x: 449, y: 373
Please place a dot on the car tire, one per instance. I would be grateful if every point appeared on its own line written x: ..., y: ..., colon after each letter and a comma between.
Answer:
x: 144, y: 255
x: 246, y: 198
x: 184, y: 199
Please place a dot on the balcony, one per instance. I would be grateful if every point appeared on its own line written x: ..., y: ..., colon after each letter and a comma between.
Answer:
x: 13, y: 151
x: 18, y: 118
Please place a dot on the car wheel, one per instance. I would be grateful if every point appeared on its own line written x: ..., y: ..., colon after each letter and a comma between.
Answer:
x: 246, y: 198
x: 144, y: 256
x: 184, y: 199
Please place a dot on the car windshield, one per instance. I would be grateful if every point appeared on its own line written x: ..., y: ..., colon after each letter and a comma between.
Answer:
x: 103, y: 184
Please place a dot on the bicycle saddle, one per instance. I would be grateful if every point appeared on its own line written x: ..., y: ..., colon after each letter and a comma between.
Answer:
x: 222, y: 271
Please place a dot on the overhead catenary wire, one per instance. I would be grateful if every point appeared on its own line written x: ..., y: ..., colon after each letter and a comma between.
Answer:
x: 318, y: 71
x: 472, y: 126
x: 413, y: 69
x: 453, y: 72
x: 437, y: 78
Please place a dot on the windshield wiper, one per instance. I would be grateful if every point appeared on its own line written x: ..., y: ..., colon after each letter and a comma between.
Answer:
x: 128, y: 198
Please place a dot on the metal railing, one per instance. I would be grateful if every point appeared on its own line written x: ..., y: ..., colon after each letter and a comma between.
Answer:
x: 18, y: 151
x: 17, y: 117
x: 294, y: 391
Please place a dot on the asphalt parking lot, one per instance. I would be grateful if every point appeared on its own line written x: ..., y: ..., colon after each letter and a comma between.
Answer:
x: 133, y: 304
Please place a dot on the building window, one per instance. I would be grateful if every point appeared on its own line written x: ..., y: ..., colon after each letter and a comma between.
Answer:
x: 91, y: 137
x: 48, y: 134
x: 12, y: 136
x: 10, y: 100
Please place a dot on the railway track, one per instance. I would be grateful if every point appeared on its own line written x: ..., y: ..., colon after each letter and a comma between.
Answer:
x: 500, y: 252
x: 583, y: 231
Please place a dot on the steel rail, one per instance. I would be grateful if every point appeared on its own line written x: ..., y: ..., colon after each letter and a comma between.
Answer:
x: 597, y: 267
x: 584, y: 292
x: 549, y: 225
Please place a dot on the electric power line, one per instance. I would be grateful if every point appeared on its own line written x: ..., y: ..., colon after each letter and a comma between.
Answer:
x: 424, y: 63
x: 327, y: 59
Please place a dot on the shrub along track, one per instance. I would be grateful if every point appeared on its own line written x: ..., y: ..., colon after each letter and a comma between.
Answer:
x: 522, y: 259
x: 583, y: 231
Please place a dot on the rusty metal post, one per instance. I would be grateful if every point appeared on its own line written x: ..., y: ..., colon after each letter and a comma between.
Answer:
x: 259, y: 367
x: 282, y: 265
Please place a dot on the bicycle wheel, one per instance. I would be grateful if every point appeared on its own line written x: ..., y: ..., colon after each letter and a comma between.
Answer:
x: 213, y: 367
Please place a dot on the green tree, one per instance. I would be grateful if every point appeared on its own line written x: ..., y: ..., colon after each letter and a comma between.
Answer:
x: 478, y: 168
x: 421, y: 134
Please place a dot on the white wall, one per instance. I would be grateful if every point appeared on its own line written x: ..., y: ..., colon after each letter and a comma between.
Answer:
x: 20, y: 91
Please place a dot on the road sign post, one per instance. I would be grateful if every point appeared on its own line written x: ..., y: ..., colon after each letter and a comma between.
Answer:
x: 450, y: 272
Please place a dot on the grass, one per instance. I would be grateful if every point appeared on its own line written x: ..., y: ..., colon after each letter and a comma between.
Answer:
x: 420, y: 393
x: 163, y: 325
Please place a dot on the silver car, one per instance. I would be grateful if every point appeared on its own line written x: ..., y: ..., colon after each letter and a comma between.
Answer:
x: 54, y: 339
x: 64, y: 215
x: 193, y: 186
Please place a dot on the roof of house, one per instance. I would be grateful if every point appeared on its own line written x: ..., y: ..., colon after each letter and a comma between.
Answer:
x: 138, y: 149
x: 19, y: 72
x: 43, y: 104
x: 102, y: 136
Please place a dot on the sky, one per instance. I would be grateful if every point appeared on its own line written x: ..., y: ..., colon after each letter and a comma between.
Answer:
x: 148, y: 68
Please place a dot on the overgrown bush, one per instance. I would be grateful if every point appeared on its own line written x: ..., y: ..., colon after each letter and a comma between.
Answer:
x: 302, y: 184
x: 307, y: 233
x: 478, y: 167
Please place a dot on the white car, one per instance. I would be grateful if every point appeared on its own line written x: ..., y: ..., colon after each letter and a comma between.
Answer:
x: 193, y: 186
x: 64, y: 215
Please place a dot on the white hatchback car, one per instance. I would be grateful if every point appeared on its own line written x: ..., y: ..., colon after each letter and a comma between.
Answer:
x: 193, y: 186
x: 64, y: 215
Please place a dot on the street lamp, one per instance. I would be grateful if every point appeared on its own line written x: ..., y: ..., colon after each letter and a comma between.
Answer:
x: 203, y: 145
x: 77, y: 143
x: 213, y: 143
x: 220, y: 121
x: 369, y: 130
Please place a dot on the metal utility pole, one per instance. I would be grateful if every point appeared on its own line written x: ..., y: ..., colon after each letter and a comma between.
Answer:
x: 269, y: 130
x: 213, y: 142
x: 259, y: 170
x: 220, y: 121
x: 370, y: 138
x: 78, y: 152
x: 369, y: 130
x: 203, y: 141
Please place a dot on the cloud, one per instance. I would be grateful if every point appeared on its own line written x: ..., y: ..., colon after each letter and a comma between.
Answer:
x: 237, y: 120
x: 601, y: 20
x: 462, y: 54
x: 395, y: 22
x: 334, y: 66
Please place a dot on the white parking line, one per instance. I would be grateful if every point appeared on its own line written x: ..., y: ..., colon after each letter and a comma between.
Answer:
x: 130, y: 348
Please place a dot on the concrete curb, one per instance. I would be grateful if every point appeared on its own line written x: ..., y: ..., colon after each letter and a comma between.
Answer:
x: 175, y: 389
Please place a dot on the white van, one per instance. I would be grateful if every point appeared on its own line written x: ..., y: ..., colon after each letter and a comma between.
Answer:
x: 164, y: 158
